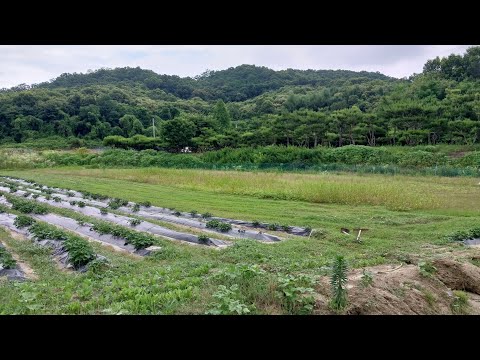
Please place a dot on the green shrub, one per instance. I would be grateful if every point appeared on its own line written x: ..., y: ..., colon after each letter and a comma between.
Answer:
x: 27, y: 206
x: 81, y: 204
x: 42, y: 231
x: 296, y: 293
x: 6, y: 259
x: 146, y: 204
x: 218, y: 225
x: 460, y: 302
x: 80, y: 252
x: 116, y: 203
x: 367, y: 278
x: 103, y: 211
x: 426, y: 268
x: 136, y: 208
x: 23, y: 221
x: 57, y: 199
x: 193, y: 213
x: 73, y: 203
x: 273, y: 226
x: 207, y: 215
x: 135, y: 222
x: 203, y: 238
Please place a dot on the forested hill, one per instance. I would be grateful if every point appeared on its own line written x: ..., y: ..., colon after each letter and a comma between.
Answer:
x: 251, y: 106
x: 234, y: 84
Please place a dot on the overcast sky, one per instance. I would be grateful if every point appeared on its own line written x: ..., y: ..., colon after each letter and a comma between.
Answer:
x: 33, y: 64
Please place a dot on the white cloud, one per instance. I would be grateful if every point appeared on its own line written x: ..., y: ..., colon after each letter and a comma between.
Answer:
x: 37, y: 63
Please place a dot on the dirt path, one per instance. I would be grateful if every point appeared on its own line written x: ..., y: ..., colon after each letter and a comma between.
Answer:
x: 22, y: 265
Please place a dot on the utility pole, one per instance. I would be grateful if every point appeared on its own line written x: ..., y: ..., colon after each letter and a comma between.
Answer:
x: 153, y: 127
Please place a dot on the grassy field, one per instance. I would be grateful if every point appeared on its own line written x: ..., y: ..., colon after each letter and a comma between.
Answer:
x: 404, y: 215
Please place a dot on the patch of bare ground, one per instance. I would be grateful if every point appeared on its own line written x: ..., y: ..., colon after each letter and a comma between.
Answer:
x: 26, y: 269
x: 457, y: 154
x: 403, y: 290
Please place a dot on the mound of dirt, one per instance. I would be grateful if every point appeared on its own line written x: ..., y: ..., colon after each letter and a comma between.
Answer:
x: 458, y: 276
x: 402, y: 290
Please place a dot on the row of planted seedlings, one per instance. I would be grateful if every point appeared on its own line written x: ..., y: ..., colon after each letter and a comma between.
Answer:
x: 123, y: 206
x: 70, y: 249
x: 138, y: 239
x: 149, y: 211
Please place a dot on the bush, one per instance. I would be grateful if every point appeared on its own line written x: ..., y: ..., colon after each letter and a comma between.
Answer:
x: 81, y: 204
x: 218, y: 225
x: 426, y: 268
x: 103, y: 211
x: 136, y: 208
x: 367, y: 278
x: 203, y: 238
x: 135, y: 222
x: 42, y: 231
x: 27, y: 206
x: 116, y: 203
x: 6, y: 259
x: 207, y: 215
x: 80, y: 252
x: 273, y: 227
x: 460, y: 302
x: 296, y: 293
x: 23, y: 221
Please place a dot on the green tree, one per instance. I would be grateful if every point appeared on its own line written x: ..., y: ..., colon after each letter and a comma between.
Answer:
x: 178, y: 133
x: 221, y: 115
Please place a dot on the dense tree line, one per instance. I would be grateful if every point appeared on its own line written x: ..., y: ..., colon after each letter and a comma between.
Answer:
x: 252, y: 106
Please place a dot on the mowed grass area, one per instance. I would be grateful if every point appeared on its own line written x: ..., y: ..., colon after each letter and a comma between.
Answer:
x: 183, y: 278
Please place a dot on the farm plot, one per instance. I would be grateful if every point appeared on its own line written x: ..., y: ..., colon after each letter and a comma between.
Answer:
x: 191, y: 219
x: 70, y: 251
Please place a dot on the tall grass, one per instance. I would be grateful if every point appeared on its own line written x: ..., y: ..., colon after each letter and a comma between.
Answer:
x: 397, y: 193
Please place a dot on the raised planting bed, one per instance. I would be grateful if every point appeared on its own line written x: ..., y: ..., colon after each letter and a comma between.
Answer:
x: 71, y: 251
x: 146, y: 210
x: 121, y: 220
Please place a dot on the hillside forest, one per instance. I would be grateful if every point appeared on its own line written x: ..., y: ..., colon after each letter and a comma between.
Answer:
x: 250, y: 106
